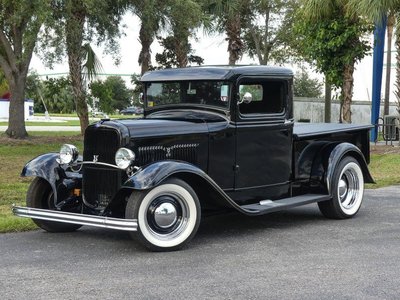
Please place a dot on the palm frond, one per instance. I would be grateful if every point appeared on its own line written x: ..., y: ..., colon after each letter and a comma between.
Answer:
x: 92, y: 66
x: 316, y: 9
x: 374, y: 10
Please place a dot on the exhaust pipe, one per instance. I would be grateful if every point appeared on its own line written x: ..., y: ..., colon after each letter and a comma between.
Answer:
x: 73, y: 218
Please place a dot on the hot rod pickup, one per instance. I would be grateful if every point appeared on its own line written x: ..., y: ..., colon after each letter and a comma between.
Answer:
x: 211, y: 138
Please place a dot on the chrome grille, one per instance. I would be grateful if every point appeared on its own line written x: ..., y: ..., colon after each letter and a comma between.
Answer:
x: 100, y: 184
x: 103, y: 142
x: 184, y: 152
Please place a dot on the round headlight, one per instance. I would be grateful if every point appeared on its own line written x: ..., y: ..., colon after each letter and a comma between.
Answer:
x: 68, y: 154
x: 124, y: 157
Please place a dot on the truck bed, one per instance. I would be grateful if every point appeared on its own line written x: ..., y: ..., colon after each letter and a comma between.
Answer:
x: 303, y: 131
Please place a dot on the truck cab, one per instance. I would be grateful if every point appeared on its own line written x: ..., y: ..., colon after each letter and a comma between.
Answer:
x: 211, y: 138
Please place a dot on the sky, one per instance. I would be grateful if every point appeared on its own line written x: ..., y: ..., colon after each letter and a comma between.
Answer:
x: 212, y: 48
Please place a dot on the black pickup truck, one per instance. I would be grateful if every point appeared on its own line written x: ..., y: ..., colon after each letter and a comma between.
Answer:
x: 211, y: 138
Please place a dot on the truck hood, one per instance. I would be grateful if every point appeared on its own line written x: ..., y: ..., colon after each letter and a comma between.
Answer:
x: 173, y: 123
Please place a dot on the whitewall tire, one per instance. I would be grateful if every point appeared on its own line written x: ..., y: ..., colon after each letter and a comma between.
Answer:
x: 347, y: 190
x: 168, y: 215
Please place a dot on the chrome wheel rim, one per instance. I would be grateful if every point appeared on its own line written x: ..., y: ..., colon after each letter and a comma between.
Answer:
x: 350, y: 188
x: 167, y: 216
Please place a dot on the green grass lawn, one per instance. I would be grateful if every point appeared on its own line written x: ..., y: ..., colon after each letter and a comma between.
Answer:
x: 13, y: 156
x: 385, y: 168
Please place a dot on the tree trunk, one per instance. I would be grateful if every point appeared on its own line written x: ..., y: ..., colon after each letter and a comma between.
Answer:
x: 347, y: 93
x: 16, y: 122
x: 390, y: 25
x: 146, y: 40
x: 74, y: 39
x: 235, y: 44
x: 181, y: 52
x: 328, y: 97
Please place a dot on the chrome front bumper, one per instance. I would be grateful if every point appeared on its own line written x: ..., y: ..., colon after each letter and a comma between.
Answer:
x: 73, y: 218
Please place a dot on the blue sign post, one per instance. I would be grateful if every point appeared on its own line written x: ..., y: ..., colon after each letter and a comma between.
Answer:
x: 379, y: 46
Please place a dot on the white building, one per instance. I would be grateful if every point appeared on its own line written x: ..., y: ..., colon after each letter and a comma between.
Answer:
x: 5, y: 108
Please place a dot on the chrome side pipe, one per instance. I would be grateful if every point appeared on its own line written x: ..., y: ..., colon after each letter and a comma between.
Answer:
x: 73, y: 218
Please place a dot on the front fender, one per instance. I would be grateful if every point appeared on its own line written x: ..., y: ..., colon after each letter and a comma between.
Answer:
x: 46, y: 167
x: 153, y: 174
x: 338, y: 152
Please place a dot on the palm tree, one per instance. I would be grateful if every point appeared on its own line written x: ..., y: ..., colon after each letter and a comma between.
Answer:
x: 183, y: 25
x: 83, y: 21
x: 74, y: 31
x: 390, y: 25
x: 376, y: 11
x: 229, y: 16
x: 151, y: 15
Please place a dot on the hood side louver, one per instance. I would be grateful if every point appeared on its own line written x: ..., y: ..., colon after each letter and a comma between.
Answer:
x: 184, y: 152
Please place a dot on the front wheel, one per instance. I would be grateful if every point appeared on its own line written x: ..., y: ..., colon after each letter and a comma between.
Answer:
x: 168, y: 215
x: 40, y: 195
x: 347, y: 190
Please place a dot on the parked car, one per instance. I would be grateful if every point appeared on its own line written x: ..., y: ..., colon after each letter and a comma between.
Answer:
x: 99, y: 114
x: 139, y: 111
x: 212, y: 138
x: 129, y: 111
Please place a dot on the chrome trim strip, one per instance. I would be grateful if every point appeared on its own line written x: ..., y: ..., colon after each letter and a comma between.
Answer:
x: 73, y: 218
x: 95, y: 163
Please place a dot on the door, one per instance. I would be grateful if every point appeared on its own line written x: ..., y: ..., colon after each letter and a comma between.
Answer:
x: 263, y: 134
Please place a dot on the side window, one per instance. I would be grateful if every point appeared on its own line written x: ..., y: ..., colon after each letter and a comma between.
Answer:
x: 267, y: 97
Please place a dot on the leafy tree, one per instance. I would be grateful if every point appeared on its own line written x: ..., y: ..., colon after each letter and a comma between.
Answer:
x: 58, y: 95
x: 112, y: 94
x: 33, y: 90
x: 55, y: 92
x: 20, y: 22
x: 75, y: 25
x: 305, y: 86
x: 168, y: 59
x: 333, y: 40
x: 137, y: 90
x: 267, y: 30
x: 102, y: 92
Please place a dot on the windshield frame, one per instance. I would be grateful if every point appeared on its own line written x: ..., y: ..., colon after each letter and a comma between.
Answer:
x: 188, y: 105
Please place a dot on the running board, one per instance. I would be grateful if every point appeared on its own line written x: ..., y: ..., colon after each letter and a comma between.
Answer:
x: 269, y: 206
x: 73, y: 218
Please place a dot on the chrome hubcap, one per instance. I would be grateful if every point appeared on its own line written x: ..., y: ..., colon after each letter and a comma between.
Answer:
x: 165, y: 215
x: 342, y: 188
x: 348, y: 188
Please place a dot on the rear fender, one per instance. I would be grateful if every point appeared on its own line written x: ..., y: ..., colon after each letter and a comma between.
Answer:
x: 336, y: 155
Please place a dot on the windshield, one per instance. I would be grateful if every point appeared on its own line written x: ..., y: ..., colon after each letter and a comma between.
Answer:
x: 214, y: 93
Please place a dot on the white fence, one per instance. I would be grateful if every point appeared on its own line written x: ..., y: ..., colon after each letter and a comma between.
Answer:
x: 314, y: 110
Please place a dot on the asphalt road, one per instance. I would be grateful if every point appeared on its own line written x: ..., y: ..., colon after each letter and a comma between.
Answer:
x: 296, y: 254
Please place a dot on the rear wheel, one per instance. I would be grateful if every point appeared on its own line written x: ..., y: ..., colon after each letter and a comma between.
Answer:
x: 168, y: 215
x: 40, y: 195
x: 347, y: 190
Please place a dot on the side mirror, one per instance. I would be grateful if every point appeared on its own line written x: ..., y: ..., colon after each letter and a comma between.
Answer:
x: 247, y: 98
x: 141, y: 98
